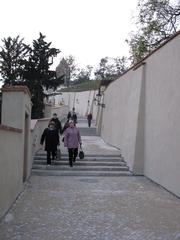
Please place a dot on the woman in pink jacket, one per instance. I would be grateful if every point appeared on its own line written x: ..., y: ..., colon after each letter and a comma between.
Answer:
x: 72, y: 140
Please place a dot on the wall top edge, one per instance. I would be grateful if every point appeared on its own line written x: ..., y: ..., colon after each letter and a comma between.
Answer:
x: 42, y: 119
x: 48, y: 104
x: 12, y: 129
x: 156, y: 49
x: 142, y: 61
x: 139, y: 65
x: 57, y: 107
x: 35, y: 121
x: 16, y: 89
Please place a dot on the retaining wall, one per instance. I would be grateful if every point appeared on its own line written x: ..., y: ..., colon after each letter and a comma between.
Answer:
x: 142, y: 116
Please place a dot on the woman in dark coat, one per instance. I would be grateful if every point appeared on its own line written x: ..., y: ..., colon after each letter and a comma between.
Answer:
x: 51, y: 138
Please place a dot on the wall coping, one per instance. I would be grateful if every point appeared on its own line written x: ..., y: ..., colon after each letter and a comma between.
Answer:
x: 44, y: 119
x: 12, y: 129
x: 35, y: 121
x: 16, y: 89
x: 142, y: 61
x: 54, y: 107
x: 48, y: 104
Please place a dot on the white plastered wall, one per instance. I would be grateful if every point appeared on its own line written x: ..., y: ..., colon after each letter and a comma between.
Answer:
x: 142, y: 116
x: 82, y: 101
x: 61, y: 111
x: 11, y: 182
x: 15, y: 144
x: 120, y: 115
x: 162, y: 114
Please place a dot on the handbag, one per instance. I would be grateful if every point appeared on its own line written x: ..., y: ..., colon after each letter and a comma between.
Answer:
x: 81, y: 154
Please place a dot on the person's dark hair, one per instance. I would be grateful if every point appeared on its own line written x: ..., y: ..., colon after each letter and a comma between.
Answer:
x: 51, y: 123
x: 54, y: 114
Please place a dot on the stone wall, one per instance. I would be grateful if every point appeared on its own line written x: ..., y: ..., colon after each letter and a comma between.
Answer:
x: 142, y: 115
x: 15, y: 140
x: 82, y: 101
x: 120, y: 115
x: 61, y: 111
x: 11, y: 171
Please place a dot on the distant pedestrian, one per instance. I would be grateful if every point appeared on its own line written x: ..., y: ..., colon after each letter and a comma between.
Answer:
x: 89, y: 118
x: 72, y: 115
x: 58, y: 125
x: 66, y: 125
x: 72, y: 140
x: 51, y: 138
x: 69, y: 115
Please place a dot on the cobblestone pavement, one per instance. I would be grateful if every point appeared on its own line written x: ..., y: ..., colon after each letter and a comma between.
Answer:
x: 97, y: 208
x: 92, y: 208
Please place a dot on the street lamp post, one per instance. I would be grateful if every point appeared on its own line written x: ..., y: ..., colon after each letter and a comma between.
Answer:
x: 98, y: 98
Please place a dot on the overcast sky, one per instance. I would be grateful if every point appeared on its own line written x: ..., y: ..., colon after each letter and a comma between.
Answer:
x: 86, y: 29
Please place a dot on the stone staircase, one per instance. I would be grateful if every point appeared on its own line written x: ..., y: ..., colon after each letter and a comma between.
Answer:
x: 92, y: 165
x: 105, y: 160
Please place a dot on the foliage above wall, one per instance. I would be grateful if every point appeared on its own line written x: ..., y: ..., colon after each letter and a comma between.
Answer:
x: 21, y: 64
x: 156, y: 22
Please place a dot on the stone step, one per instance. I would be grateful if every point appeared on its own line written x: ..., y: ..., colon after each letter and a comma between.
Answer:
x: 83, y: 119
x: 43, y: 154
x: 81, y: 173
x: 80, y: 168
x: 90, y: 158
x: 85, y: 160
x: 88, y: 131
x: 82, y: 163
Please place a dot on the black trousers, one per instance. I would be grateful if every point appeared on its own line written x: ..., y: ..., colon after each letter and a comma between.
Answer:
x: 49, y: 154
x: 73, y: 152
x: 89, y: 123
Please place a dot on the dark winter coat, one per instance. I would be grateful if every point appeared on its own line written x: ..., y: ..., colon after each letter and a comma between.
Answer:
x: 51, y: 138
x: 66, y: 125
x: 72, y: 116
x: 58, y: 125
x: 69, y: 115
x: 89, y: 117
